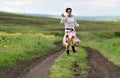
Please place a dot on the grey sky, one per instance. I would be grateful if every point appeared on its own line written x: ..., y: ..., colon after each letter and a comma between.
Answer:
x: 56, y: 7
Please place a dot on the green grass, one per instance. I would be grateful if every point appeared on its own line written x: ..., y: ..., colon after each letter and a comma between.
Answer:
x: 24, y: 24
x: 107, y: 42
x: 17, y: 47
x: 65, y: 64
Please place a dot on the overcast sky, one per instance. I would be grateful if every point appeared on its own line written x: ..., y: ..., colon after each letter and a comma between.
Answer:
x: 56, y: 7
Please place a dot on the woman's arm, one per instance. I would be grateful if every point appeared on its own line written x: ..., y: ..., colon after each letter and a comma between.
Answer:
x: 62, y: 19
x: 76, y: 24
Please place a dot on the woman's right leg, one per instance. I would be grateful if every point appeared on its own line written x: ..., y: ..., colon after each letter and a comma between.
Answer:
x: 71, y: 39
x: 67, y: 49
x: 67, y: 42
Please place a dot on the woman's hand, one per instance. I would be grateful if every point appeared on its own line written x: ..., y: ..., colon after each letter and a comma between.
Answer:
x: 77, y: 25
x: 62, y: 15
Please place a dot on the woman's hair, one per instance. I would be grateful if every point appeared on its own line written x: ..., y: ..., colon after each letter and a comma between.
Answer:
x: 68, y: 9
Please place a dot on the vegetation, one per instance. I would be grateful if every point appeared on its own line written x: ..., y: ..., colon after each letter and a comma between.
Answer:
x: 17, y: 47
x: 23, y: 38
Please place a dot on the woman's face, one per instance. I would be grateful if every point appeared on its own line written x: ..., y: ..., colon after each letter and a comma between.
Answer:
x: 69, y: 12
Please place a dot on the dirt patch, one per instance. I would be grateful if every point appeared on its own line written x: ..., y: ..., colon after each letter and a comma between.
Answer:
x: 22, y: 70
x: 100, y: 66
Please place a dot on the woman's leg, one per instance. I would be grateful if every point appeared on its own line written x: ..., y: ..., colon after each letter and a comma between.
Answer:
x: 72, y: 43
x: 67, y: 48
x: 67, y: 43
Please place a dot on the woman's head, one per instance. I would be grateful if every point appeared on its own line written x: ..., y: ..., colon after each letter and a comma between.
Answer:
x: 68, y: 11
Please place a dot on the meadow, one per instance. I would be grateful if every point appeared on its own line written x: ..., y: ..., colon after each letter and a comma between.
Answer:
x: 23, y: 38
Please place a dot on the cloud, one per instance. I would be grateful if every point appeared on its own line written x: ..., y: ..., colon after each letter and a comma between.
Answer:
x: 16, y: 3
x: 94, y: 4
x: 103, y: 4
x: 32, y: 6
x: 94, y: 7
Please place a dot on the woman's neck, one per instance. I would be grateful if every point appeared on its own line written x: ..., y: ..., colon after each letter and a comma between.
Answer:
x: 69, y: 15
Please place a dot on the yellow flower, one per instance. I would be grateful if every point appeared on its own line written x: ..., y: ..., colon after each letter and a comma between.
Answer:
x: 5, y: 46
x: 14, y: 35
x: 45, y: 36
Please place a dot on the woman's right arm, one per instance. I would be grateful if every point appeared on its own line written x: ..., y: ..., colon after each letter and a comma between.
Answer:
x: 62, y: 19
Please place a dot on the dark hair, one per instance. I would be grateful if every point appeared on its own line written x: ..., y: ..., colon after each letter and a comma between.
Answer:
x: 68, y: 9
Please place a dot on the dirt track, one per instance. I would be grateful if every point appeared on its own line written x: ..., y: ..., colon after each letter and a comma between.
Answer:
x: 100, y: 66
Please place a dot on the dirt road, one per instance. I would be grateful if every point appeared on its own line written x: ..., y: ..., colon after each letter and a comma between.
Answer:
x: 100, y: 67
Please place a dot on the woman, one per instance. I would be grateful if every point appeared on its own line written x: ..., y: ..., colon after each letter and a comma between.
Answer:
x: 70, y: 38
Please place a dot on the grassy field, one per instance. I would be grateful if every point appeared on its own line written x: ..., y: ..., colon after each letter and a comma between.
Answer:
x: 18, y: 47
x: 106, y: 41
x: 103, y: 36
x: 23, y: 38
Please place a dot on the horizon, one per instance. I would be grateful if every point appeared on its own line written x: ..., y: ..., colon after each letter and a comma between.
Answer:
x: 59, y: 15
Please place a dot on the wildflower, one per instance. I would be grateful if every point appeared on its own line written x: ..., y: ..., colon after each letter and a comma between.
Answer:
x: 5, y: 46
